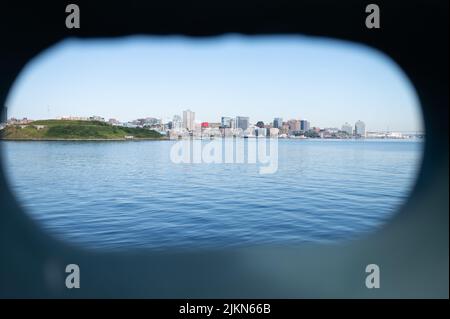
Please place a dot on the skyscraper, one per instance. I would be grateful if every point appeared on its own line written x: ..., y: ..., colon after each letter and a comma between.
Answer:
x: 233, y: 123
x: 347, y: 128
x: 227, y: 122
x: 242, y: 122
x: 177, y: 123
x: 189, y: 120
x: 277, y: 122
x: 304, y: 125
x: 360, y: 129
x: 294, y: 126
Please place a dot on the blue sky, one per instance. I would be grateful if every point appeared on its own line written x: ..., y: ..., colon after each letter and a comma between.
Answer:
x: 326, y: 81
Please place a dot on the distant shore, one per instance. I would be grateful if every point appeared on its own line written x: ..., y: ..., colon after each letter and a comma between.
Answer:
x: 98, y: 131
x: 61, y: 130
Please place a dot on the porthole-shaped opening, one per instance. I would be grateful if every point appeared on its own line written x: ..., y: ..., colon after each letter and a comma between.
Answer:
x: 126, y: 143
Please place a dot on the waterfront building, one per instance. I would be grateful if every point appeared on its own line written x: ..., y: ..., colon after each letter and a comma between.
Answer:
x: 360, y: 129
x: 214, y: 125
x: 177, y: 123
x: 250, y: 131
x: 277, y: 122
x: 274, y: 131
x: 227, y: 122
x: 284, y: 128
x: 294, y: 126
x: 260, y: 131
x: 189, y: 120
x: 331, y: 130
x: 347, y: 128
x: 197, y: 130
x: 242, y: 122
x: 304, y: 125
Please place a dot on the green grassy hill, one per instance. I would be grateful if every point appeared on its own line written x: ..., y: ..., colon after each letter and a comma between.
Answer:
x: 83, y: 130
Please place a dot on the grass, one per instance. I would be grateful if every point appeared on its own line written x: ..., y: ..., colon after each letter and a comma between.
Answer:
x: 66, y: 129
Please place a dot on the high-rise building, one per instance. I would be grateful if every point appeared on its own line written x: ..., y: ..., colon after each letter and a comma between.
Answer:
x: 242, y: 122
x: 177, y: 123
x: 304, y: 125
x: 233, y: 123
x: 227, y: 122
x: 360, y: 129
x: 189, y: 120
x: 347, y: 128
x: 277, y: 122
x: 294, y: 125
x: 284, y: 128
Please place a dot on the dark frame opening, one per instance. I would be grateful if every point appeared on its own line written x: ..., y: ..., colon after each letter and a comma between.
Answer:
x: 412, y: 250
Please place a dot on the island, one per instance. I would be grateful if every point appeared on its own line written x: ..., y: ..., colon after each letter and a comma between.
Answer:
x: 76, y: 130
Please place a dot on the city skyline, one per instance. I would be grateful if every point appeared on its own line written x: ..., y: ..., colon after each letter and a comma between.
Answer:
x: 180, y: 122
x: 188, y: 116
x: 327, y: 82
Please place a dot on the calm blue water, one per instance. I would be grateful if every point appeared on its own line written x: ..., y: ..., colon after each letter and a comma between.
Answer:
x: 129, y: 194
